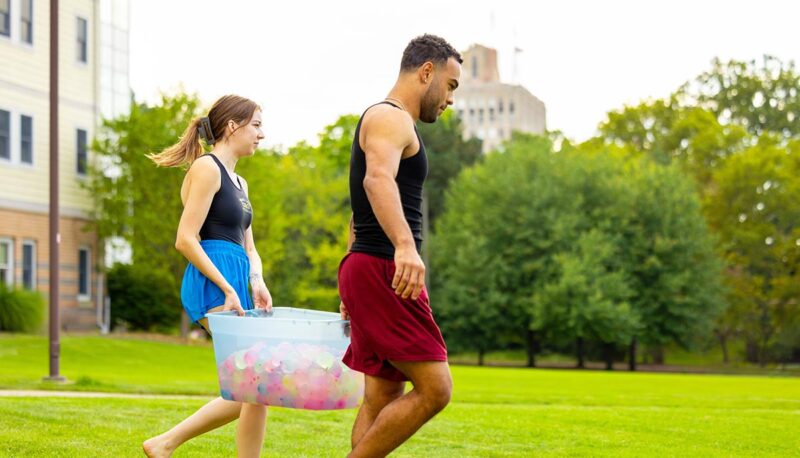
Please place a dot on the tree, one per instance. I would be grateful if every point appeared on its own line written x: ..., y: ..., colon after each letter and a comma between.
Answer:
x: 667, y: 132
x: 713, y: 123
x: 448, y: 153
x: 755, y: 210
x: 761, y: 97
x: 485, y: 266
x: 571, y: 246
x: 676, y: 271
x: 589, y: 297
x: 133, y: 198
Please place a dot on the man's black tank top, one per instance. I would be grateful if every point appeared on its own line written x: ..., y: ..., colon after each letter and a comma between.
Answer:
x: 230, y: 213
x: 369, y: 236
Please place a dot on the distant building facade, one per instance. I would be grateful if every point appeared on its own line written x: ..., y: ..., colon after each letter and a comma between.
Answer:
x: 491, y: 110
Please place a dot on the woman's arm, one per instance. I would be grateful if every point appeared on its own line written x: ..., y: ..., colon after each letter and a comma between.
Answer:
x: 203, y: 181
x: 261, y: 296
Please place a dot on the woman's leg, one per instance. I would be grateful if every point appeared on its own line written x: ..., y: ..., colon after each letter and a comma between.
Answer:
x: 250, y: 431
x: 216, y: 413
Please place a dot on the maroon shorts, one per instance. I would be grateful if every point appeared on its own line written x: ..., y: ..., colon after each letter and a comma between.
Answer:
x: 384, y: 326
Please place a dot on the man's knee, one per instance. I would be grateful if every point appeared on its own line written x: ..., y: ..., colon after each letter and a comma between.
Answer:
x: 378, y: 395
x: 436, y: 395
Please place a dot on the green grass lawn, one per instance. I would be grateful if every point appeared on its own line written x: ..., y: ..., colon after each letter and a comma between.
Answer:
x: 708, y: 360
x: 98, y: 363
x: 495, y: 411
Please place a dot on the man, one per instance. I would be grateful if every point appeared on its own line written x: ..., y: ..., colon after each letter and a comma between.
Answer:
x: 382, y: 279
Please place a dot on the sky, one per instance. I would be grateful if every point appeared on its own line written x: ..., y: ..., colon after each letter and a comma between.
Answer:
x: 308, y: 62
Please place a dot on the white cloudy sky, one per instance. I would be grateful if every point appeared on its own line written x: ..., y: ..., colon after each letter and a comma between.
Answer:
x: 307, y: 62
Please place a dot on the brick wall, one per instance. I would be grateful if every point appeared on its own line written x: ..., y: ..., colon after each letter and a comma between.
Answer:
x: 77, y: 311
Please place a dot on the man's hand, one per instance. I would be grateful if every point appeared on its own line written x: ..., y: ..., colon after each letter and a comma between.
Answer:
x: 343, y: 311
x: 409, y: 273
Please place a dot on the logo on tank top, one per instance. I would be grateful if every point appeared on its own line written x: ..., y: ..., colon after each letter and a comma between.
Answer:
x: 246, y: 205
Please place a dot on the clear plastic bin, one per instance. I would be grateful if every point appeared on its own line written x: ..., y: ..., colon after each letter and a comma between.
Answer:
x: 289, y: 358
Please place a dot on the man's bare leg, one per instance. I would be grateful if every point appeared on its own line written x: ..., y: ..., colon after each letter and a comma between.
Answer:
x: 378, y: 393
x: 401, y: 418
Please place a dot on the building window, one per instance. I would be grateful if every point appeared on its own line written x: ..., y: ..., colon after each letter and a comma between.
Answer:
x: 26, y: 139
x: 29, y: 265
x: 6, y: 261
x: 81, y: 149
x: 471, y: 113
x: 5, y: 134
x: 5, y: 18
x: 491, y: 114
x: 83, y: 40
x: 26, y: 21
x: 84, y: 261
x: 511, y: 107
x: 500, y: 106
x: 480, y: 115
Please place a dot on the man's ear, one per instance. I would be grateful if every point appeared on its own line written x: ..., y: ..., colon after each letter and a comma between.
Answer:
x: 426, y: 72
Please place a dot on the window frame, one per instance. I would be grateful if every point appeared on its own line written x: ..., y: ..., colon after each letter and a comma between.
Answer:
x: 34, y: 265
x: 82, y: 27
x: 85, y: 296
x: 9, y: 281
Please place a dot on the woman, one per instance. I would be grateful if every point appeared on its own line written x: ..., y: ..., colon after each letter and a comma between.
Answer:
x: 215, y: 236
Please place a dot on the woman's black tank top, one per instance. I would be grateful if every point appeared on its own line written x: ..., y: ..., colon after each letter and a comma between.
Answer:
x: 230, y: 213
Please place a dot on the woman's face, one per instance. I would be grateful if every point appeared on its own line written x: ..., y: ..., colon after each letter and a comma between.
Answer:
x: 245, y: 138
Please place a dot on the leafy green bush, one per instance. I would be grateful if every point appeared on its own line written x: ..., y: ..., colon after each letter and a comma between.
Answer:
x: 20, y: 310
x: 143, y: 298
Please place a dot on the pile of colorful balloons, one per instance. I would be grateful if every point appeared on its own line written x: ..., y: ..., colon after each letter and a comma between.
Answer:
x: 295, y: 375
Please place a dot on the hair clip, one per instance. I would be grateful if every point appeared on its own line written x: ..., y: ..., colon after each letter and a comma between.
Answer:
x: 205, y: 131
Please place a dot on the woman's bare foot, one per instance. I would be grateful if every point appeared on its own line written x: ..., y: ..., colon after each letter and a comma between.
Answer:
x: 157, y: 447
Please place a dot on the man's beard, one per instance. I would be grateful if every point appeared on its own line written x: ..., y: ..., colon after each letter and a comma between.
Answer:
x: 429, y: 106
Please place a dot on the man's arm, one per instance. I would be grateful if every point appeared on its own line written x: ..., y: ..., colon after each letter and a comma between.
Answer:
x: 351, y: 237
x: 387, y: 133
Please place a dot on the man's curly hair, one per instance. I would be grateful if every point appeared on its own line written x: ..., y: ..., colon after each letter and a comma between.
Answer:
x: 427, y: 48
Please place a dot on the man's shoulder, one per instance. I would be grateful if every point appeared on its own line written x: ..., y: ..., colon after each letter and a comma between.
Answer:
x: 386, y: 119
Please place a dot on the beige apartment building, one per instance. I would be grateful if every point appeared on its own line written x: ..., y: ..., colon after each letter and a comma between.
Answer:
x: 93, y: 83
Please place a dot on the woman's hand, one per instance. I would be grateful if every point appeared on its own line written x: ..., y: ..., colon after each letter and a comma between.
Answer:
x: 232, y: 302
x: 262, y: 299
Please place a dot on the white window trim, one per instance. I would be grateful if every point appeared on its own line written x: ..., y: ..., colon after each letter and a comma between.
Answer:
x: 88, y: 295
x: 14, y: 18
x: 10, y: 280
x: 34, y: 265
x: 15, y: 137
x: 10, y: 36
x: 10, y: 159
x: 81, y: 176
x: 33, y: 140
x: 78, y: 61
x: 19, y: 22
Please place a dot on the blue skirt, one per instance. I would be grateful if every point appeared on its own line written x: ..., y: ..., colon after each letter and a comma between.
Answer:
x: 199, y: 294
